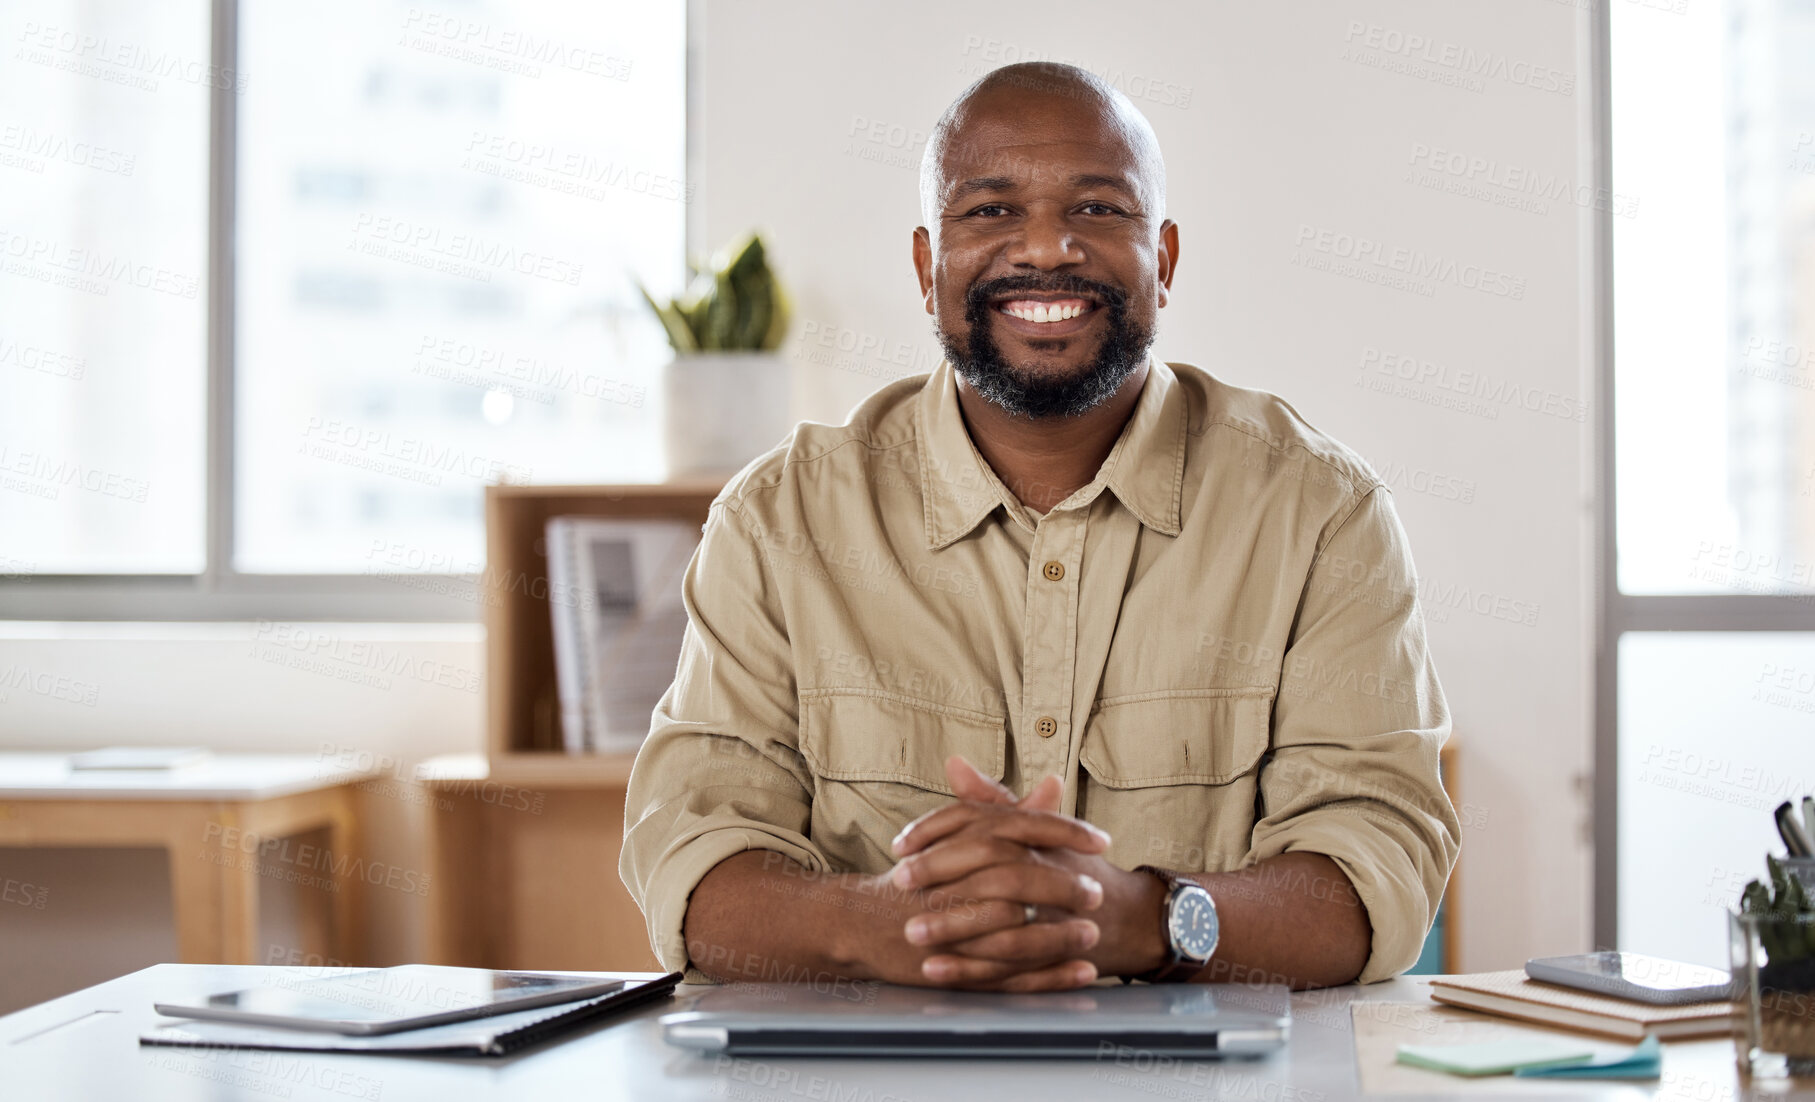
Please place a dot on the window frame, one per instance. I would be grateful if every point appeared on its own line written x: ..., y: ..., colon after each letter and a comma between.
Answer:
x: 219, y: 592
x: 1618, y: 613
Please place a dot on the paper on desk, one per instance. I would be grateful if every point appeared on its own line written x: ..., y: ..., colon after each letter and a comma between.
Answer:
x: 1381, y: 1027
x: 1643, y: 1061
x: 1501, y: 1056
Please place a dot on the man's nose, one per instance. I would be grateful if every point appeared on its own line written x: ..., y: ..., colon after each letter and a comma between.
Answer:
x: 1046, y: 241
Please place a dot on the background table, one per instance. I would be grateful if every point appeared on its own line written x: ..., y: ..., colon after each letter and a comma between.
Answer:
x: 190, y: 813
x: 85, y: 1046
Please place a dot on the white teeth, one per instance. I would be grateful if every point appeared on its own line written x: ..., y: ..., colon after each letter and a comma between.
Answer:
x: 1043, y: 313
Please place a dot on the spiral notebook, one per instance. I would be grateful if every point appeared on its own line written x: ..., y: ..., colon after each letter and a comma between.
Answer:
x: 496, y: 1036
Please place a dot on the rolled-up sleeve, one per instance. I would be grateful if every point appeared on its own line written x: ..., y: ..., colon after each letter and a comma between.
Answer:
x: 721, y: 771
x: 1357, y: 726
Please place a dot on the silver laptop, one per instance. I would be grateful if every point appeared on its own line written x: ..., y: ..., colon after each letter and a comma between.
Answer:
x: 1200, y: 1021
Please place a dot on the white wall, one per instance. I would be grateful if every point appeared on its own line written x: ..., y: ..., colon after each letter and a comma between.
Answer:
x: 813, y: 115
x: 279, y: 687
x: 1268, y: 126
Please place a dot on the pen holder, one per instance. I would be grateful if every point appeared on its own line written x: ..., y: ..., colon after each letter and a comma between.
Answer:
x: 1773, y: 959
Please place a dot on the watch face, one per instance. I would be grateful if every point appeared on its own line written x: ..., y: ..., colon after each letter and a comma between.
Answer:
x: 1193, y: 923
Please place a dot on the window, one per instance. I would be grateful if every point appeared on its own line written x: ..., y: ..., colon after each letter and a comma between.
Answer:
x: 427, y: 224
x: 1708, y: 655
x: 103, y: 289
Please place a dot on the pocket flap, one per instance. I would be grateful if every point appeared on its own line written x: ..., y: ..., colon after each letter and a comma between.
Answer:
x: 1208, y: 736
x: 848, y: 735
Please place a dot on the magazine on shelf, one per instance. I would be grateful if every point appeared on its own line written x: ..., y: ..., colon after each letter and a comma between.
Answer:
x: 615, y: 602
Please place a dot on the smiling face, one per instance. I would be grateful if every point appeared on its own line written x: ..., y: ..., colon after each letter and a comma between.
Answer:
x: 1046, y: 262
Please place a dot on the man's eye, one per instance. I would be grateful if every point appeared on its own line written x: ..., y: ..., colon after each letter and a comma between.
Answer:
x: 1104, y: 207
x: 989, y: 206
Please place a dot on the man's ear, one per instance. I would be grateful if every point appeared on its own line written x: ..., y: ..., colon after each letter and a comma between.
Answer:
x: 923, y: 264
x: 1168, y: 257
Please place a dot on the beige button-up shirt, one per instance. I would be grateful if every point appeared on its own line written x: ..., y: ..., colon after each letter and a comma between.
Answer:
x: 1217, y: 644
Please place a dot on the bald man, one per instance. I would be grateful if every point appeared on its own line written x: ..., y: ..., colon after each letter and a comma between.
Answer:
x: 1060, y: 662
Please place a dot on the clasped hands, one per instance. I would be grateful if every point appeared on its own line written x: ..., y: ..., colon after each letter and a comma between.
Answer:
x: 985, y: 864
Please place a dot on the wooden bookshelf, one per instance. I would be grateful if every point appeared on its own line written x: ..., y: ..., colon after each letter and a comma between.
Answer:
x: 523, y: 710
x: 524, y: 847
x: 530, y: 770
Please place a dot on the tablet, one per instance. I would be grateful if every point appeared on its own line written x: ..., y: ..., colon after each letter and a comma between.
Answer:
x: 389, y: 1000
x: 1634, y: 976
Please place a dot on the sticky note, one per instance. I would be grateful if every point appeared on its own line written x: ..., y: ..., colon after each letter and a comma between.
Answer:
x: 1494, y: 1057
x: 1645, y: 1061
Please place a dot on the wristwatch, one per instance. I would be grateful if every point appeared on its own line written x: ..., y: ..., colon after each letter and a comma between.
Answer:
x: 1189, y: 926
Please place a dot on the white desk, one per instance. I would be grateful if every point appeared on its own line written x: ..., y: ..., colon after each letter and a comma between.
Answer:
x: 217, y: 777
x: 212, y: 818
x: 85, y: 1046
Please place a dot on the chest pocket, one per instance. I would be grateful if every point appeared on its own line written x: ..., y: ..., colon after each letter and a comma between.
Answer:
x: 878, y: 761
x: 1174, y: 775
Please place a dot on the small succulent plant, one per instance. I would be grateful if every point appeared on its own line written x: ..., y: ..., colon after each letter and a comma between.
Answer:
x: 1780, y: 992
x: 735, y: 303
x: 1793, y: 937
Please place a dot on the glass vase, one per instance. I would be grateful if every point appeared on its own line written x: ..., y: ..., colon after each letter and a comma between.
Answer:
x: 1774, y: 993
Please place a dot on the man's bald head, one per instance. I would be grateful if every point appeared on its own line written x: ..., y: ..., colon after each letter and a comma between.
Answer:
x: 1005, y: 93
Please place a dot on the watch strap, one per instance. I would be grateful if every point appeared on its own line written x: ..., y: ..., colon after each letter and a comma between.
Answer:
x: 1176, y: 966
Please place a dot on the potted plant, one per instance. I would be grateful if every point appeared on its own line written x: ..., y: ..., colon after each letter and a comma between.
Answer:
x: 726, y: 391
x: 1774, y: 974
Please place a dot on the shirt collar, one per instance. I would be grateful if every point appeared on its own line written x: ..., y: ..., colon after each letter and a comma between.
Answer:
x: 1145, y: 469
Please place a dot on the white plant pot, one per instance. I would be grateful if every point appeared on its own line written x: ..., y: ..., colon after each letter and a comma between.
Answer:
x: 723, y: 409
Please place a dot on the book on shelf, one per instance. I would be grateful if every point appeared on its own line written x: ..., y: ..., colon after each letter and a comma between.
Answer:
x: 618, y: 619
x: 1512, y: 994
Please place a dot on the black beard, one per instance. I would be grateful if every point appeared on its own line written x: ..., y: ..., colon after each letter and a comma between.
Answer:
x: 1022, y: 394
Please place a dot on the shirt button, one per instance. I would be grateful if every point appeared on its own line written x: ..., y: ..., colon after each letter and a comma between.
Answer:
x: 1053, y: 570
x: 1046, y: 726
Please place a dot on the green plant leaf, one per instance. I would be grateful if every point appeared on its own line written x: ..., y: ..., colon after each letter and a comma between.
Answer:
x: 754, y: 309
x: 1796, y: 897
x: 733, y: 302
x: 698, y: 301
x: 756, y: 289
x: 674, y: 323
x: 1780, y: 882
x: 721, y: 315
x: 1756, y: 899
x: 747, y: 259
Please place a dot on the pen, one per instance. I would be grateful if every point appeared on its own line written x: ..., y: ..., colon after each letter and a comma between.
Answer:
x: 1795, y: 839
